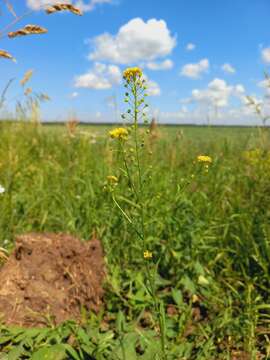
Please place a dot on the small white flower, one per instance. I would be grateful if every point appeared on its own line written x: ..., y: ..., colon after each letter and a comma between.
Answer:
x: 2, y: 189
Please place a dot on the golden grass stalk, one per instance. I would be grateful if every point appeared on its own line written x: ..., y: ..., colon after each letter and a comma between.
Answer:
x: 28, y: 30
x: 10, y: 8
x: 71, y: 126
x: 153, y: 126
x: 27, y: 76
x: 6, y: 55
x: 63, y: 7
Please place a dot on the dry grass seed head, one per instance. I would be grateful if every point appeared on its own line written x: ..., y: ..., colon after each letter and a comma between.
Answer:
x: 10, y: 8
x: 63, y: 7
x: 72, y: 126
x: 27, y: 76
x: 28, y: 30
x: 6, y: 55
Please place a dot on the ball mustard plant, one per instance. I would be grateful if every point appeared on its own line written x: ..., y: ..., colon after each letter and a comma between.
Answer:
x: 132, y: 74
x: 147, y: 254
x: 119, y: 133
x: 204, y: 159
x: 131, y: 152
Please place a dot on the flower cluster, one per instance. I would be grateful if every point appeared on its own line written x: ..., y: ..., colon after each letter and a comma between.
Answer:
x: 132, y: 73
x: 119, y: 133
x: 147, y: 254
x: 253, y: 156
x: 2, y: 189
x: 204, y: 158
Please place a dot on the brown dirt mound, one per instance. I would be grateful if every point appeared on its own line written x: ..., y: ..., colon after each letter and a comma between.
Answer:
x: 50, y: 276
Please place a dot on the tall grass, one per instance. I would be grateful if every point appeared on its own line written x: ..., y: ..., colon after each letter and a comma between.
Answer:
x: 212, y: 230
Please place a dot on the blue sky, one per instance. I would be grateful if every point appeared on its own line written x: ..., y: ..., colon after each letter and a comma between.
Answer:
x: 200, y: 57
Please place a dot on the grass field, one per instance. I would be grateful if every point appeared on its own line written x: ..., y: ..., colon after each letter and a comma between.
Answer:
x: 209, y: 232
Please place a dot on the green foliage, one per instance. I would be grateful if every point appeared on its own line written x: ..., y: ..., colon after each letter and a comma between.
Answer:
x: 209, y: 230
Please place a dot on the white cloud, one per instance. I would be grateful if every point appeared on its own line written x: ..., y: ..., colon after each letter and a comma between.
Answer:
x: 217, y: 94
x: 100, y: 77
x: 190, y: 47
x: 266, y: 55
x: 83, y: 5
x: 219, y: 103
x: 195, y: 70
x: 228, y: 68
x: 74, y: 95
x: 263, y: 83
x: 153, y: 88
x: 37, y: 4
x: 265, y: 100
x: 163, y: 65
x: 90, y: 6
x: 135, y: 41
x: 241, y: 115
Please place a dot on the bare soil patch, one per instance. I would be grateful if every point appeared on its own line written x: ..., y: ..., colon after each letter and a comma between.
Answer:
x: 50, y: 276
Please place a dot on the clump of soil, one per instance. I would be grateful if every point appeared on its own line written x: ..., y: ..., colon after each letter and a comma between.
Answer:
x: 50, y: 276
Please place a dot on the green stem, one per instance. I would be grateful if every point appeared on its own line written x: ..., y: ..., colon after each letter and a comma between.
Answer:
x: 148, y: 271
x: 128, y: 174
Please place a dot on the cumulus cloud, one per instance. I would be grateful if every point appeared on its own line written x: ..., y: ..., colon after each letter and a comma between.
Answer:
x: 190, y: 47
x: 217, y: 93
x: 163, y: 65
x: 100, y: 77
x: 83, y: 5
x: 74, y: 95
x: 220, y: 103
x: 90, y: 5
x: 228, y: 68
x: 37, y: 4
x: 241, y: 115
x: 135, y: 41
x: 266, y: 55
x: 153, y: 88
x: 265, y: 101
x: 195, y: 70
x: 264, y: 83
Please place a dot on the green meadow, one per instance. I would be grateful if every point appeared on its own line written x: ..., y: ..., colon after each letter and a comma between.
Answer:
x: 208, y: 229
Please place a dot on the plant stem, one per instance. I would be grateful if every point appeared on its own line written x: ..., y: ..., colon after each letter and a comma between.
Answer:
x: 161, y: 319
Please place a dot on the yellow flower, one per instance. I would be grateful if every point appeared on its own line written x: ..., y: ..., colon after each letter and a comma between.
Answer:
x: 147, y: 254
x: 119, y: 133
x: 112, y: 179
x: 132, y: 73
x: 204, y: 158
x: 253, y: 156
